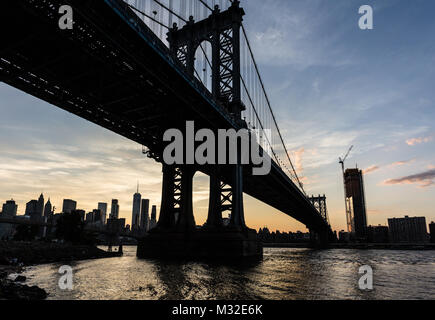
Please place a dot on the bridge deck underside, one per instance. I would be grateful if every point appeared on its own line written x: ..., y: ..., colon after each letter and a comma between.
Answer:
x: 122, y: 79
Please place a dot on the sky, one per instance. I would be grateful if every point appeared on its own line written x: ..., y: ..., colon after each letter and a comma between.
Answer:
x: 331, y: 85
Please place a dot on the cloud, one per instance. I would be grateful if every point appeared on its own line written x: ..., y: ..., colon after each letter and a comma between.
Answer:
x: 371, y: 169
x: 424, y: 179
x: 402, y: 163
x: 298, y: 159
x: 415, y: 141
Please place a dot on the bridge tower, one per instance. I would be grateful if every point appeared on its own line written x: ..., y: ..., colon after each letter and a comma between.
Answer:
x: 222, y: 31
x: 176, y: 228
x: 325, y: 236
x: 320, y: 204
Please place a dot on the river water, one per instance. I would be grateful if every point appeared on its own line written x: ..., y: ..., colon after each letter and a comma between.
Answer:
x: 284, y: 274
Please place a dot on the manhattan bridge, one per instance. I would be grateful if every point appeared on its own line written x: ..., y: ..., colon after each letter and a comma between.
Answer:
x: 139, y: 68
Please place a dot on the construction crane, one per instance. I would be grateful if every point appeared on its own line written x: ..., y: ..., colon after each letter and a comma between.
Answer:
x: 346, y: 204
x: 342, y: 160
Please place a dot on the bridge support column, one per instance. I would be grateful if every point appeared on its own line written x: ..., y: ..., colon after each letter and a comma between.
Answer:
x: 214, y: 219
x: 170, y: 192
x: 238, y: 213
x: 186, y: 219
x: 177, y: 192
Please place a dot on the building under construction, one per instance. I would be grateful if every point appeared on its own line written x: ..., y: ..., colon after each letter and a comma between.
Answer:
x: 355, y: 203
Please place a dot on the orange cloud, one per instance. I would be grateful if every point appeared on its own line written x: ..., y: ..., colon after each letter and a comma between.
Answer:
x: 298, y: 159
x: 415, y: 141
x: 401, y: 163
x: 371, y: 169
x: 424, y: 179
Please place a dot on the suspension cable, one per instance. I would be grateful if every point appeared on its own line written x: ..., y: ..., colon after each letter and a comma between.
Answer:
x: 270, y: 108
x: 206, y: 5
x: 170, y: 10
x: 146, y: 15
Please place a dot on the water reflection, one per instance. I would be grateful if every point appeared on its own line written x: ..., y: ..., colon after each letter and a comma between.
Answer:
x: 284, y: 274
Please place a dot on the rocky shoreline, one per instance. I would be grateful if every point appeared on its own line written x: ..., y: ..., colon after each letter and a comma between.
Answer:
x: 14, y: 256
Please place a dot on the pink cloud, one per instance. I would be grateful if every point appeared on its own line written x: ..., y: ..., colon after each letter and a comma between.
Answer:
x: 415, y: 141
x: 298, y: 159
x: 424, y: 179
x: 371, y: 169
x: 402, y: 163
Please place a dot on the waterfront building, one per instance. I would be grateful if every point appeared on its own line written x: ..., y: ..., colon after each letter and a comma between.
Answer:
x: 355, y: 204
x: 144, y: 215
x: 343, y: 236
x: 114, y: 212
x: 153, y: 221
x: 408, y: 229
x: 103, y: 209
x: 31, y: 208
x: 69, y: 206
x: 40, y: 206
x: 48, y: 209
x: 135, y: 218
x: 9, y: 208
x: 377, y: 234
x: 432, y: 232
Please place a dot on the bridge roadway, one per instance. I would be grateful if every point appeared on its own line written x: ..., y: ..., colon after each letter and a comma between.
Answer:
x: 112, y: 70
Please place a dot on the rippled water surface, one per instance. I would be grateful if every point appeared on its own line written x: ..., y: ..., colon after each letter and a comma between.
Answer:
x: 284, y: 274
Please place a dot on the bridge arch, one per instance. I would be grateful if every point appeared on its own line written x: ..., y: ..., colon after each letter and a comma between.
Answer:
x: 203, y: 63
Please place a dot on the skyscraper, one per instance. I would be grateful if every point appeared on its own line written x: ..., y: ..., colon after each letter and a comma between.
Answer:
x: 114, y: 212
x: 355, y: 204
x: 10, y: 208
x: 31, y: 208
x: 69, y: 206
x: 144, y: 215
x: 40, y: 206
x: 103, y: 209
x: 47, y: 208
x: 432, y: 232
x: 135, y: 218
x: 153, y: 221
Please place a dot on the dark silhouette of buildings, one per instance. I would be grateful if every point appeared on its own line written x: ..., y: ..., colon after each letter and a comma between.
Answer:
x: 114, y: 212
x: 31, y: 208
x: 153, y: 221
x: 69, y: 205
x: 377, y: 234
x: 432, y: 232
x: 355, y: 204
x: 408, y: 229
x: 103, y: 209
x: 9, y: 208
x: 265, y: 236
x: 40, y: 206
x: 48, y: 209
x: 135, y: 217
x: 144, y: 215
x: 116, y: 225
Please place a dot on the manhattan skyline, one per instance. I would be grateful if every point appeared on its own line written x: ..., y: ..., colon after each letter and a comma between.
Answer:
x: 319, y: 69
